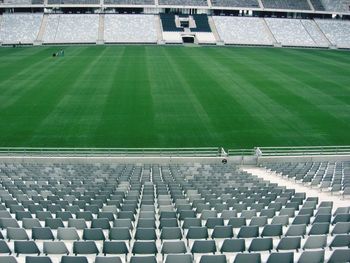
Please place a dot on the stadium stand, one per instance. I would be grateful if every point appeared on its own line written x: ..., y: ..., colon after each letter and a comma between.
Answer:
x: 20, y: 28
x: 130, y: 28
x: 315, y: 33
x: 329, y: 176
x: 71, y: 28
x: 286, y: 4
x: 17, y: 2
x: 73, y: 2
x: 202, y: 24
x: 317, y: 5
x: 336, y: 5
x: 129, y: 2
x: 239, y: 30
x: 268, y: 222
x: 290, y: 32
x: 337, y: 32
x: 168, y: 23
x: 184, y: 2
x: 236, y: 3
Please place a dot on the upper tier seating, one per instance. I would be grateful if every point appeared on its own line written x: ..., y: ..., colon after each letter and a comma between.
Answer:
x: 337, y: 32
x: 184, y: 2
x: 168, y: 23
x: 17, y: 2
x: 236, y: 3
x: 20, y: 28
x: 289, y: 32
x: 147, y: 213
x: 336, y: 5
x: 286, y: 4
x: 202, y: 24
x: 130, y: 2
x: 317, y: 5
x: 130, y: 28
x: 241, y: 30
x: 69, y: 28
x: 73, y: 2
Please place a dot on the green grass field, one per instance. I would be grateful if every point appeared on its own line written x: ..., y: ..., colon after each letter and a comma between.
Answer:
x: 156, y: 96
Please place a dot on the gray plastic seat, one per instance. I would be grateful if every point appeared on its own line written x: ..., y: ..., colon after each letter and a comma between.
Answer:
x: 143, y: 259
x: 248, y: 232
x: 120, y: 233
x: 146, y: 223
x: 233, y: 245
x: 113, y: 259
x: 259, y: 221
x: 173, y: 247
x: 319, y: 229
x: 93, y: 234
x: 42, y: 233
x: 285, y: 257
x: 68, y: 233
x: 261, y: 244
x: 273, y: 230
x: 54, y: 223
x: 26, y: 247
x: 289, y: 243
x: 341, y: 218
x: 123, y: 222
x: 280, y: 220
x: 55, y: 247
x: 74, y: 259
x: 203, y: 246
x: 16, y: 234
x: 171, y: 233
x: 341, y: 228
x: 43, y: 259
x: 168, y: 222
x: 290, y: 212
x: 145, y: 234
x: 29, y: 223
x: 296, y: 230
x: 144, y: 247
x: 214, y: 221
x: 301, y: 219
x: 102, y: 223
x: 4, y: 248
x: 227, y: 214
x: 248, y: 258
x: 197, y: 233
x: 237, y: 222
x: 314, y: 242
x: 340, y: 241
x: 213, y: 259
x: 186, y: 258
x: 8, y: 259
x: 85, y: 247
x: 222, y: 232
x: 8, y: 222
x: 115, y: 247
x: 340, y: 255
x: 190, y: 222
x: 312, y: 256
x: 248, y: 214
x: 78, y: 223
x: 208, y: 213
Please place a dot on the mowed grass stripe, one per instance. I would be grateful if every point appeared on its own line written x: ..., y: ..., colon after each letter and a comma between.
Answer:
x: 158, y: 96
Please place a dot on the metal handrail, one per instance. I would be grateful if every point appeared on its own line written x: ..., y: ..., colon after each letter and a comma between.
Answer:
x: 67, y: 151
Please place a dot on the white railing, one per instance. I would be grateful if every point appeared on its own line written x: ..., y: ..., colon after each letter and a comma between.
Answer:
x: 304, y: 150
x: 156, y: 152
